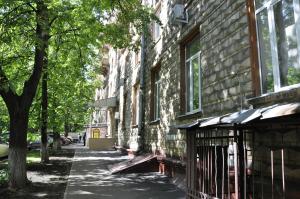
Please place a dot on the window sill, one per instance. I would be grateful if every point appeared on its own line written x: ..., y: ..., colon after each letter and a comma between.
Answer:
x: 190, y: 115
x: 282, y: 96
x: 154, y: 122
x: 134, y: 126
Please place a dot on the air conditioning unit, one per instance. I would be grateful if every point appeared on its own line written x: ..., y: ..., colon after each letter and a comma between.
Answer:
x: 179, y: 14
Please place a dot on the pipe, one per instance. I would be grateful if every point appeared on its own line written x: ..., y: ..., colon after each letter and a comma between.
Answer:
x: 141, y: 138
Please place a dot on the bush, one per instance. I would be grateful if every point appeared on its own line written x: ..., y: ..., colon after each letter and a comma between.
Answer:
x: 3, y: 176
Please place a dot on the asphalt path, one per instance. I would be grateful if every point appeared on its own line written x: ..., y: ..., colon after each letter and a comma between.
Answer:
x: 90, y: 178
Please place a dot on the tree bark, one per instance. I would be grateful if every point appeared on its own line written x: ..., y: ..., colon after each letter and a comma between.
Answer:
x: 56, y: 141
x: 18, y: 148
x: 44, y: 124
x: 67, y: 127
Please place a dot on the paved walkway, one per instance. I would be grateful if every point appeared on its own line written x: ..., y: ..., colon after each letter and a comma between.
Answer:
x: 89, y: 178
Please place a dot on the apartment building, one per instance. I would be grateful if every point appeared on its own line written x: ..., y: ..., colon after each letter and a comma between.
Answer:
x: 218, y: 89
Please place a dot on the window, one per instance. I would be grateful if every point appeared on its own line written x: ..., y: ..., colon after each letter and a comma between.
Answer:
x: 155, y: 82
x: 156, y: 29
x: 278, y: 33
x: 193, y: 75
x: 135, y: 104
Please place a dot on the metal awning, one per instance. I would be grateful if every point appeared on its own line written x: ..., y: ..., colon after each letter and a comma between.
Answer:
x: 191, y: 124
x: 211, y: 122
x: 245, y: 116
x: 232, y: 118
x: 242, y: 117
x: 281, y: 110
x: 188, y: 125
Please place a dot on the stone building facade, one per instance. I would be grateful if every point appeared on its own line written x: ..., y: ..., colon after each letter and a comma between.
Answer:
x: 223, y: 39
x: 226, y: 57
x: 116, y: 102
x: 210, y: 65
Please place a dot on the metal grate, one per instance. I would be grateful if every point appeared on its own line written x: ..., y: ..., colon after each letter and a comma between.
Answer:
x: 219, y: 164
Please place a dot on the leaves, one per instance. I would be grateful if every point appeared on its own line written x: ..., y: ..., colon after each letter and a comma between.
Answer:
x: 78, y: 29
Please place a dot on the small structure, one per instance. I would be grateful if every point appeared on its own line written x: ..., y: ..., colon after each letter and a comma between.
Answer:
x: 97, y: 138
x: 238, y: 155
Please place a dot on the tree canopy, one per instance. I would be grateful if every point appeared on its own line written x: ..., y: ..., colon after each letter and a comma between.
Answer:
x: 65, y: 36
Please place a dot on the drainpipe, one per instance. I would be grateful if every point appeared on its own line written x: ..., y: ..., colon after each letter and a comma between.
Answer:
x: 141, y: 135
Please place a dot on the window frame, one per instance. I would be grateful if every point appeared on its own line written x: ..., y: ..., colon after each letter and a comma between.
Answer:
x: 189, y: 81
x: 156, y: 95
x: 269, y: 7
x: 156, y: 28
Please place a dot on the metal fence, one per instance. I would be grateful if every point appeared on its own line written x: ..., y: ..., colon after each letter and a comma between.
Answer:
x: 219, y: 164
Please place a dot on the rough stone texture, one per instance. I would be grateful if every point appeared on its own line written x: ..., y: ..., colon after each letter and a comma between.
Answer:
x: 224, y: 43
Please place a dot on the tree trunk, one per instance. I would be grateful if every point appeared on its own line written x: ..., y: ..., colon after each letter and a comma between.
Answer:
x: 44, y: 124
x: 18, y: 149
x: 67, y: 127
x: 19, y: 105
x: 56, y: 141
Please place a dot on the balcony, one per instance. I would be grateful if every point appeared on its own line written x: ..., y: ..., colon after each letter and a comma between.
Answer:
x: 106, y: 103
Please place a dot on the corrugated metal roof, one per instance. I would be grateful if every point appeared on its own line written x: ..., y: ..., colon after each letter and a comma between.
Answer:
x: 281, y: 110
x: 211, y: 122
x: 245, y: 116
x: 188, y: 125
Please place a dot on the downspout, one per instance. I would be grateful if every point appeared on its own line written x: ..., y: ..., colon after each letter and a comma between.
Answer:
x: 141, y: 120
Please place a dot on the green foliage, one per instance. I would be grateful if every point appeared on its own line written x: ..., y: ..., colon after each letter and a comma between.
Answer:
x: 78, y: 29
x: 4, y: 119
x: 31, y: 137
x: 3, y: 175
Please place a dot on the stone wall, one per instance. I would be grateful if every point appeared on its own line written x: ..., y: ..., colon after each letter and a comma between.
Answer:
x: 224, y: 42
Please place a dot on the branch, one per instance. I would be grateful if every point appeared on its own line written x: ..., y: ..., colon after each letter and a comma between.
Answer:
x: 66, y: 31
x: 6, y: 91
x: 76, y: 35
x: 52, y: 21
x: 31, y: 6
x: 14, y: 9
x: 42, y: 35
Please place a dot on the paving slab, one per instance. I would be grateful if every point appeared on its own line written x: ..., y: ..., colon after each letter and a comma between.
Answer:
x: 90, y: 178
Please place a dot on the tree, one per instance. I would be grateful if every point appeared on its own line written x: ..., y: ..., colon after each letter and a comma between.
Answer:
x: 19, y: 105
x: 26, y: 28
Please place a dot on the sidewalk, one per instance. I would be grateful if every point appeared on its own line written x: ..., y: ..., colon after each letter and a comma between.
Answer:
x: 89, y: 178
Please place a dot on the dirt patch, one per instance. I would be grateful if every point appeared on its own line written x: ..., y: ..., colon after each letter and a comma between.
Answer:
x: 47, y: 180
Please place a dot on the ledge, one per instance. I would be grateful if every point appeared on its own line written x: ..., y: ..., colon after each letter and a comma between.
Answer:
x: 154, y: 122
x: 135, y: 126
x: 190, y: 115
x: 289, y: 95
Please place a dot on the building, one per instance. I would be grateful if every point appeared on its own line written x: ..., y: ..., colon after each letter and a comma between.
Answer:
x: 219, y: 98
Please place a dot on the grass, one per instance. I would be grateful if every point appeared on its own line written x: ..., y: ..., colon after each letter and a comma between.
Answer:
x: 33, y: 156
